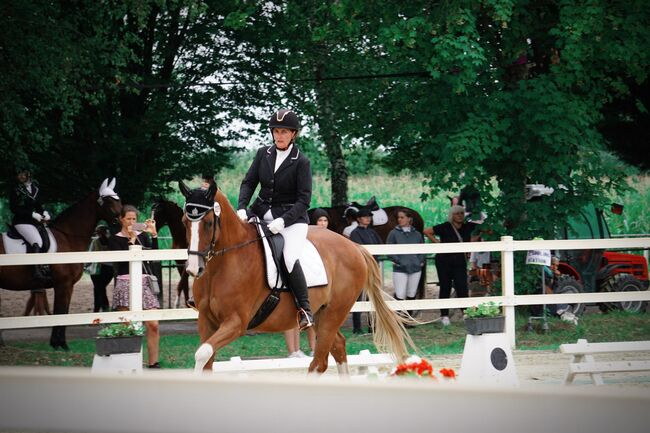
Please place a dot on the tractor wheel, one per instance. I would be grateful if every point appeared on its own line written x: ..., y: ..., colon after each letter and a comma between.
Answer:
x: 568, y: 284
x: 622, y: 283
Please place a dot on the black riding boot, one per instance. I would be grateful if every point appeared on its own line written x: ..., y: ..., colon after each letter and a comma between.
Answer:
x: 298, y: 286
x: 37, y: 271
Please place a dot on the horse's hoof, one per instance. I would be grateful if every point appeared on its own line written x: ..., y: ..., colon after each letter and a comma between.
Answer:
x: 62, y: 346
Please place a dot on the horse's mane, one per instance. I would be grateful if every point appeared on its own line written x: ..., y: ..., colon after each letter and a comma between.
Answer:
x: 70, y: 209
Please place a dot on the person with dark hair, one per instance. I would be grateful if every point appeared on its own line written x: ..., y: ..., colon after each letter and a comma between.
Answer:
x: 128, y: 235
x: 452, y: 267
x: 364, y: 234
x: 100, y: 273
x: 320, y: 218
x: 29, y: 217
x: 207, y: 180
x: 284, y: 175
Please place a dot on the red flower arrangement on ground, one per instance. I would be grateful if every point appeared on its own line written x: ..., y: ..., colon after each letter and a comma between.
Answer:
x: 418, y: 367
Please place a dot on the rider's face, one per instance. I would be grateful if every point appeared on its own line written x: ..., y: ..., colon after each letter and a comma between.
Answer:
x: 23, y: 176
x: 282, y: 137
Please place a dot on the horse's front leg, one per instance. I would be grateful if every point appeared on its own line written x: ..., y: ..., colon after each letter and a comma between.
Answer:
x: 62, y: 295
x: 227, y: 332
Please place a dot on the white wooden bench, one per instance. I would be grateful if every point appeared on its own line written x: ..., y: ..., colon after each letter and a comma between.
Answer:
x: 583, y: 362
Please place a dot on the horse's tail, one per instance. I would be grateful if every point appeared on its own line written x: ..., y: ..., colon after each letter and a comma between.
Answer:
x: 389, y: 333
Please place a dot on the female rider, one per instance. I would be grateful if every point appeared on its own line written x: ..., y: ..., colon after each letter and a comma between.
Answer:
x: 284, y: 175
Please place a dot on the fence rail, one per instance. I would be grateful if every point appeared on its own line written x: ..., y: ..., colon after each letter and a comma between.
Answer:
x: 507, y: 246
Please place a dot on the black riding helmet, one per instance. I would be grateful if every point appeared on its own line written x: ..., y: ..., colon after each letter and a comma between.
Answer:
x: 284, y: 119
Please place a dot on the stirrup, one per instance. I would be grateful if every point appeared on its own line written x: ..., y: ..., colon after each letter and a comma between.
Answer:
x: 305, y: 319
x: 191, y: 304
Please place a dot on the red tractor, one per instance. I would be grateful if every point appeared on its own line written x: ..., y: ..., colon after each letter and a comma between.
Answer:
x: 600, y: 270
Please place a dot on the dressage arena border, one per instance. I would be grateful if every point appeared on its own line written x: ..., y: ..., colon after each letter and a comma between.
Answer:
x: 74, y: 400
x: 506, y: 246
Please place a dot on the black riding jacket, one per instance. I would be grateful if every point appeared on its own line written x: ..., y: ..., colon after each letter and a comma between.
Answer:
x: 287, y: 192
x: 23, y: 203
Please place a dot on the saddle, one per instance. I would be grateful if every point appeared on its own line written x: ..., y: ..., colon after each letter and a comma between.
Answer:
x: 379, y: 215
x: 12, y: 233
x: 275, y: 244
x: 277, y: 274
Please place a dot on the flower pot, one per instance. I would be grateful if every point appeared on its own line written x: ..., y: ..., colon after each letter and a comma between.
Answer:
x: 105, y: 346
x: 485, y: 325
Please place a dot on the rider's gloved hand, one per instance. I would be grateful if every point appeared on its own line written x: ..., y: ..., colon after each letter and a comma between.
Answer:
x: 276, y: 225
x: 46, y: 215
x: 241, y: 213
x: 37, y: 216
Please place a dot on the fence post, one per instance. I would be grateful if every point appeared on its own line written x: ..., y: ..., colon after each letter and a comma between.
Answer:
x: 135, y: 274
x: 508, y: 287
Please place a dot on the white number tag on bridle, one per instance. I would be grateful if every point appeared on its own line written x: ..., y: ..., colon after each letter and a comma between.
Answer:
x: 217, y: 209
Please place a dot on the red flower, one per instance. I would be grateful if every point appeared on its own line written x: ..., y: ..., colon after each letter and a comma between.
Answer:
x: 419, y: 368
x: 448, y: 372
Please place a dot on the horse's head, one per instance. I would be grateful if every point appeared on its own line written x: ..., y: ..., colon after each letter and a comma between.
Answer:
x: 109, y: 202
x: 201, y: 215
x: 160, y: 212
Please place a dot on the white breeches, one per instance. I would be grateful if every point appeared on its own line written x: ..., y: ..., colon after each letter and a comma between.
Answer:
x: 30, y: 234
x: 295, y: 237
x: 406, y: 285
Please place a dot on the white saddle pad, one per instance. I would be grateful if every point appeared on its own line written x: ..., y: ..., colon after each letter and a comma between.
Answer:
x: 310, y: 260
x: 18, y: 246
x: 379, y: 217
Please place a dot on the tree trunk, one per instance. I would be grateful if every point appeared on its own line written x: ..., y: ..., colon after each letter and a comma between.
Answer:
x: 331, y: 138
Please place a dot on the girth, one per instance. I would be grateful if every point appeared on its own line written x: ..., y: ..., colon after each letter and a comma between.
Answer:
x: 276, y: 243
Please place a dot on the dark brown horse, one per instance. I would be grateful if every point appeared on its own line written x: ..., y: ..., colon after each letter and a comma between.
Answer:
x: 338, y: 220
x: 227, y: 255
x: 72, y: 230
x: 167, y: 213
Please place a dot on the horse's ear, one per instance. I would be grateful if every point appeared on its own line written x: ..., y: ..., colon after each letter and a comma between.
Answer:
x: 104, y: 184
x: 112, y: 184
x: 184, y: 189
x: 209, y: 193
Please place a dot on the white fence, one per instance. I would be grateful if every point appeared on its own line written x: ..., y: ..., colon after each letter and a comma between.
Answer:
x: 507, y: 246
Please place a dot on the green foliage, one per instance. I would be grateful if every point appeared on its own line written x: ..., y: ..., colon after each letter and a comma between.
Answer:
x: 122, y: 329
x: 485, y: 309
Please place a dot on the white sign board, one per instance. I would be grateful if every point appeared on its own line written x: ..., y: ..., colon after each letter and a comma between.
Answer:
x: 539, y: 257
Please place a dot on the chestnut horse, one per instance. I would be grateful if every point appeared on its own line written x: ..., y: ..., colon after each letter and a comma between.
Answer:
x: 167, y: 213
x: 72, y: 230
x: 227, y: 255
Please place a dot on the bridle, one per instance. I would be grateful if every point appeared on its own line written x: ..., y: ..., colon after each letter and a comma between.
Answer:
x: 210, y: 252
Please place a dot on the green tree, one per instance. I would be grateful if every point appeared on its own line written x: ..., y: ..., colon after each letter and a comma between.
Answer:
x: 515, y: 96
x: 145, y: 91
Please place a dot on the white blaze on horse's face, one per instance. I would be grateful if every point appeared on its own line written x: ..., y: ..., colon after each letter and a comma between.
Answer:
x: 194, y: 261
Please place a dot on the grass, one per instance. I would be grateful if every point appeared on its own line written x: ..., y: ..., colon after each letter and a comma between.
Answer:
x: 177, y: 351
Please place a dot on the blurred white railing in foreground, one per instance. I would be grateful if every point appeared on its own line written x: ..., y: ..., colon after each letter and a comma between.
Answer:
x: 507, y: 246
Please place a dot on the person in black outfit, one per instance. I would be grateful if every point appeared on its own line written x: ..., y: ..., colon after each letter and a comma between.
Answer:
x: 452, y: 267
x: 100, y: 273
x: 284, y: 175
x: 364, y: 234
x: 29, y: 216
